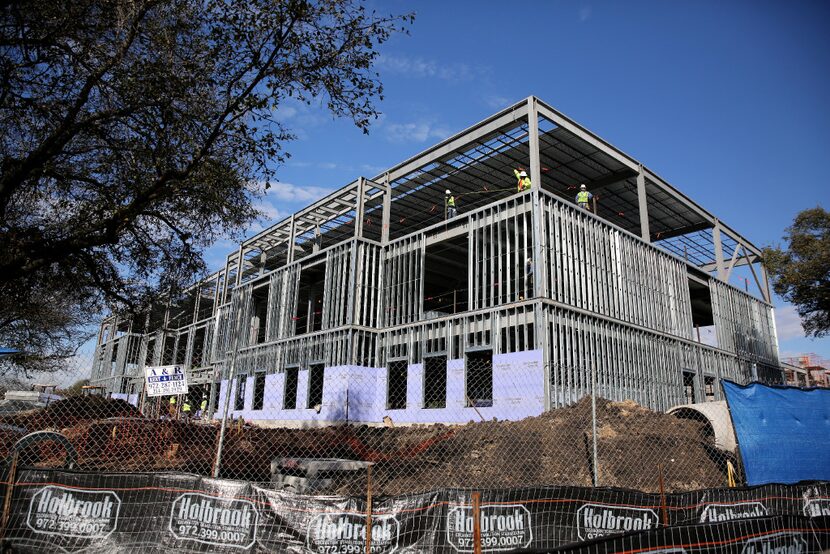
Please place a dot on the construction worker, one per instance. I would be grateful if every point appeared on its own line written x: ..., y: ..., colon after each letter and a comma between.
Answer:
x: 528, y: 277
x: 524, y: 180
x: 449, y: 200
x: 583, y: 197
x: 186, y: 408
x: 203, y: 406
x: 172, y: 409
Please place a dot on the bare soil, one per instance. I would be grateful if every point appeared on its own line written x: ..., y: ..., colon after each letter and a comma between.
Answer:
x: 634, y: 446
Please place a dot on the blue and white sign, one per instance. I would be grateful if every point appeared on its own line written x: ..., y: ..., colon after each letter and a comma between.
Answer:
x: 166, y: 380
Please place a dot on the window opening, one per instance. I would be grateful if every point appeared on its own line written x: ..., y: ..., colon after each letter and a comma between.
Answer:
x: 198, y: 347
x: 396, y: 385
x: 703, y: 319
x: 478, y: 367
x: 259, y: 391
x: 308, y: 316
x: 435, y: 382
x: 709, y: 388
x: 259, y: 298
x: 316, y: 377
x: 289, y: 400
x: 445, y: 277
x: 689, y: 387
x: 239, y: 402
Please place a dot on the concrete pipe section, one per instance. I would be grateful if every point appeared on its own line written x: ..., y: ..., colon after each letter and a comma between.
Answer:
x: 716, y: 417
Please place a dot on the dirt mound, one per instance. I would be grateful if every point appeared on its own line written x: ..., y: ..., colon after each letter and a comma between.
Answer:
x: 72, y: 411
x: 634, y: 446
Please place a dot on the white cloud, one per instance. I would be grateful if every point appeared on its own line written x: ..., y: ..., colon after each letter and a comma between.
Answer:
x: 300, y: 194
x: 788, y: 323
x: 419, y: 131
x: 297, y: 116
x: 497, y: 102
x: 584, y: 13
x: 372, y: 170
x: 421, y: 68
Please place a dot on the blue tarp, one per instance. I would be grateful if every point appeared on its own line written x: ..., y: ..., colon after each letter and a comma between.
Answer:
x: 783, y: 432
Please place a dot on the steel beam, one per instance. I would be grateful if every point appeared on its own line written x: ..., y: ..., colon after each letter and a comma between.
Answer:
x: 460, y: 140
x: 766, y: 291
x: 738, y: 248
x: 582, y: 133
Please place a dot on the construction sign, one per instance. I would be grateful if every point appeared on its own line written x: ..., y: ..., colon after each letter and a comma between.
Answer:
x: 166, y: 380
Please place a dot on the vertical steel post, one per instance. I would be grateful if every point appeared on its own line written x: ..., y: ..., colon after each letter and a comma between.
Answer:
x: 387, y: 208
x: 642, y: 200
x: 358, y: 214
x: 718, y: 251
x: 292, y: 230
x: 538, y: 257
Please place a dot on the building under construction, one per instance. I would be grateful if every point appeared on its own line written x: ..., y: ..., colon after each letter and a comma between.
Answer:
x: 372, y: 302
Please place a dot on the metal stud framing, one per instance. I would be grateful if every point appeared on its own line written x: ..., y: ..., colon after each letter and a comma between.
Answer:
x: 541, y: 273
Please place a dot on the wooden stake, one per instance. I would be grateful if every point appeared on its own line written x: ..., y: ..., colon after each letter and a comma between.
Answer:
x: 7, y: 502
x: 477, y: 523
x: 369, y: 509
x: 663, y: 507
x: 472, y: 404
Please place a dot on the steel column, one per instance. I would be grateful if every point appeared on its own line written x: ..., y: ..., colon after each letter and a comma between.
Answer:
x: 642, y: 200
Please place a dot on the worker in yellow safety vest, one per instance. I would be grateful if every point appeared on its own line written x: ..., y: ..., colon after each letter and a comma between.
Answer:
x: 449, y: 200
x: 186, y: 408
x: 524, y: 180
x: 583, y: 197
x: 172, y: 409
x: 203, y: 406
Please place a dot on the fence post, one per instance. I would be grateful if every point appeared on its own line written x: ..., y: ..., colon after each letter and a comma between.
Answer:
x: 594, y: 422
x: 231, y: 374
x: 477, y: 523
x: 7, y: 502
x: 369, y: 509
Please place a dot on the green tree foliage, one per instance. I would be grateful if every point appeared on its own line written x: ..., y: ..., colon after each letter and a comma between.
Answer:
x: 801, y: 273
x: 134, y: 133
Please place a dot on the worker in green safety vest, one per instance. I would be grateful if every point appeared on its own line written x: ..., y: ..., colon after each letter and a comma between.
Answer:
x: 583, y: 197
x: 449, y: 200
x: 203, y: 406
x: 172, y: 409
x: 524, y: 180
x: 186, y: 408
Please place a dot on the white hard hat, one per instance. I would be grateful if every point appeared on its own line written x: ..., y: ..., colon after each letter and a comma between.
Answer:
x: 523, y: 173
x: 447, y: 191
x: 582, y: 186
x: 530, y: 260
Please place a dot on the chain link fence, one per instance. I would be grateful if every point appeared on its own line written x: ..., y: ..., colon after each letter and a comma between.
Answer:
x: 441, y: 424
x: 446, y: 455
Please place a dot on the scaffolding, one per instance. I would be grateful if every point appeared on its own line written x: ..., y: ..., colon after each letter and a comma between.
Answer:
x: 374, y: 275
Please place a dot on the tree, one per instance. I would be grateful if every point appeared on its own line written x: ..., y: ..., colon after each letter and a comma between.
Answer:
x: 133, y: 133
x: 801, y: 273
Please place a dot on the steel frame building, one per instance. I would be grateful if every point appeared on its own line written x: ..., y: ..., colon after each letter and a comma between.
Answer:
x: 374, y: 273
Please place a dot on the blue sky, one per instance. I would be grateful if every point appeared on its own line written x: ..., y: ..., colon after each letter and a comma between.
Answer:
x: 727, y: 101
